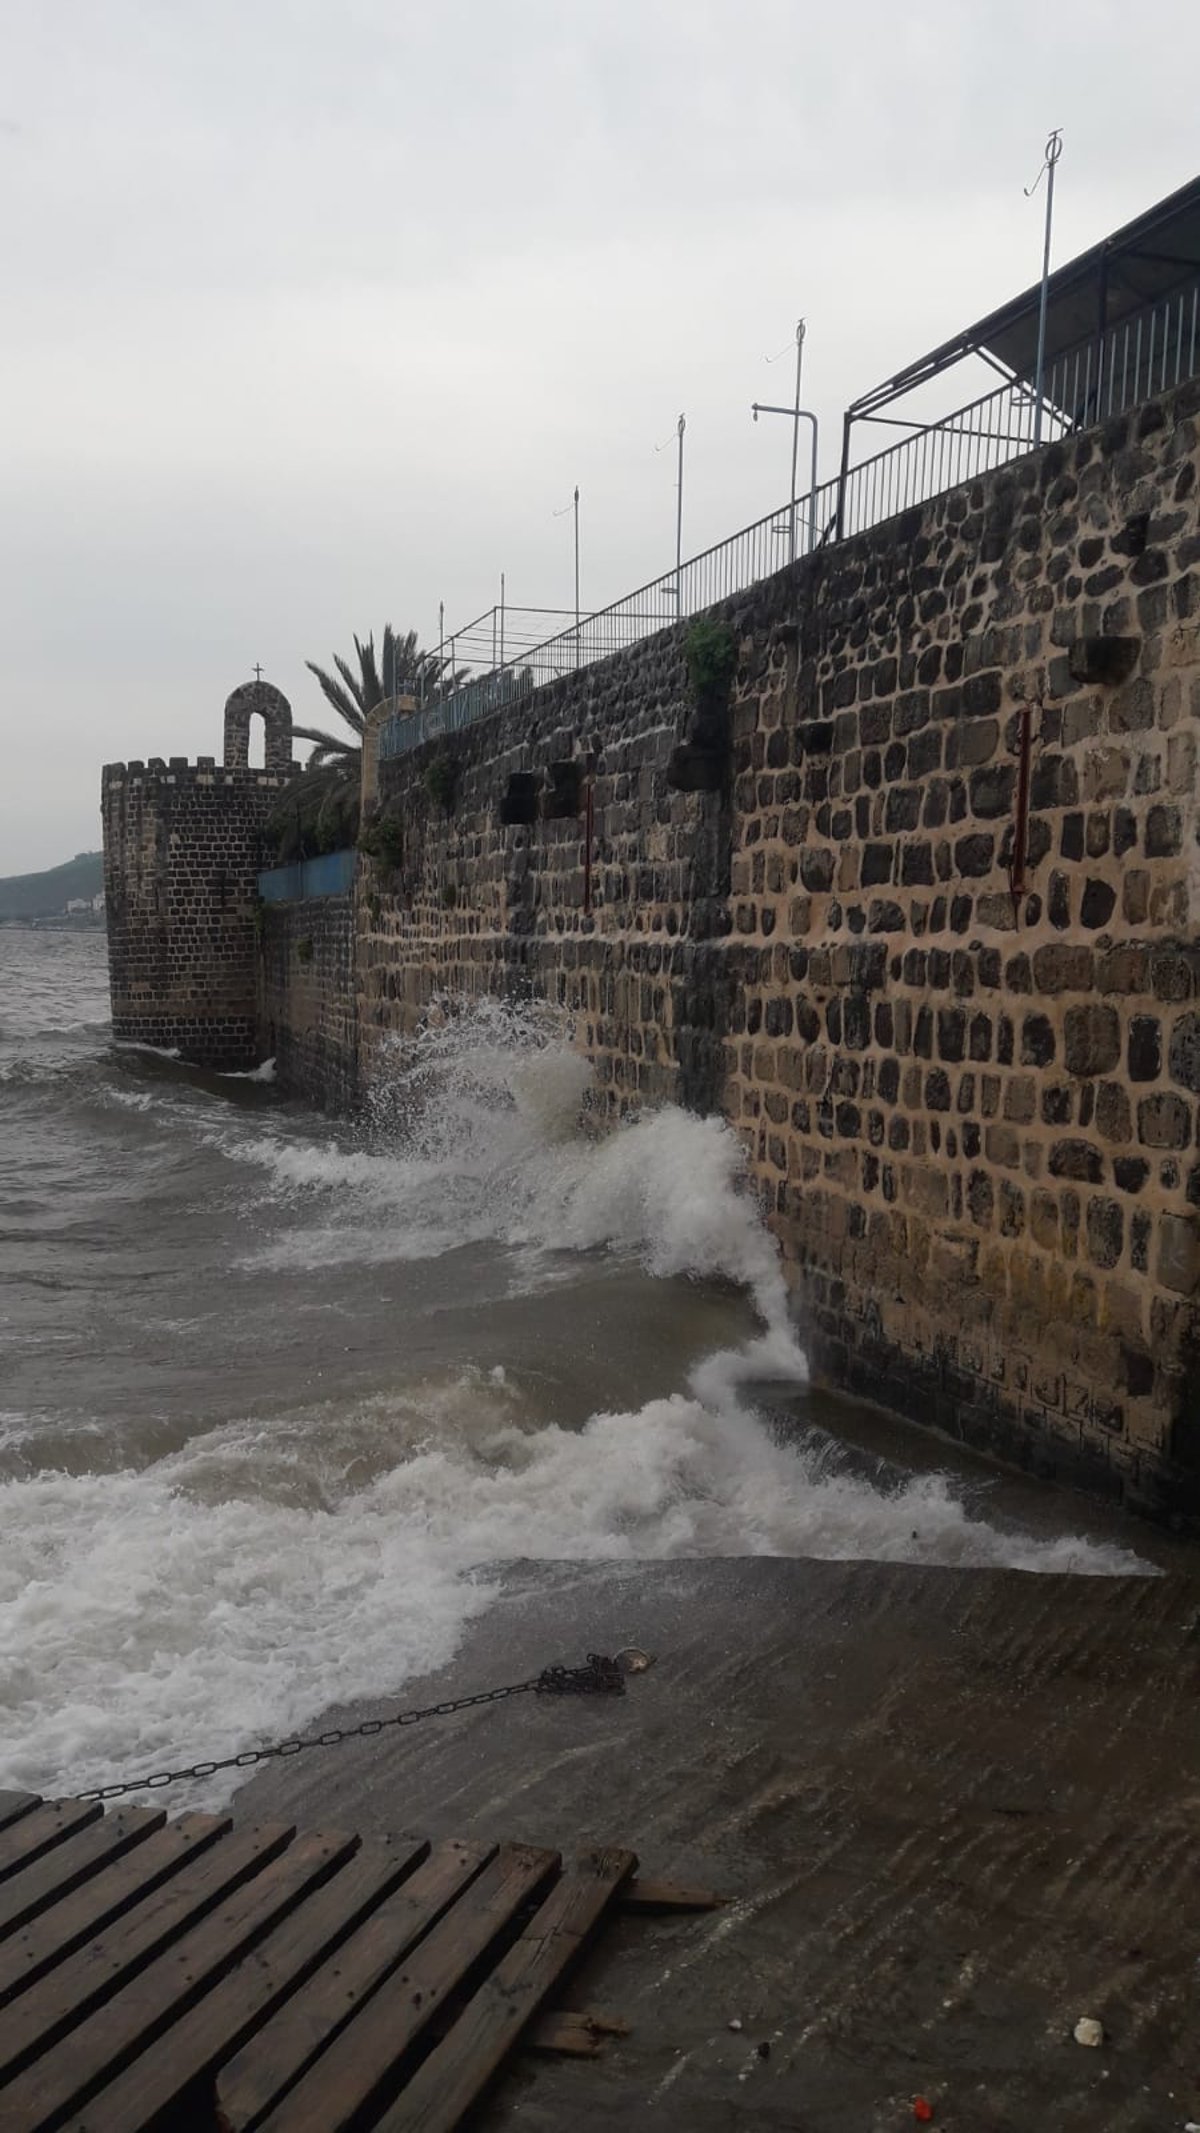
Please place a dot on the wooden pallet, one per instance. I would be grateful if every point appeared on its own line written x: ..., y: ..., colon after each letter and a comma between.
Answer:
x: 204, y: 1973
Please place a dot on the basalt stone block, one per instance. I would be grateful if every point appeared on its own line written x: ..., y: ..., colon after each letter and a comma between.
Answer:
x: 1099, y: 903
x: 1164, y: 832
x: 885, y: 917
x: 519, y: 804
x: 1184, y: 1055
x: 1070, y: 837
x: 982, y: 695
x: 1165, y: 1121
x: 1092, y: 1039
x: 1179, y: 1253
x: 1105, y: 1232
x: 563, y: 800
x: 951, y: 1033
x: 916, y: 865
x: 816, y: 870
x: 1078, y: 1160
x: 1058, y: 967
x: 975, y: 855
x: 992, y: 788
x: 877, y: 863
x: 1037, y: 1041
x: 1145, y: 1048
x: 903, y: 808
x: 815, y: 737
x: 1130, y: 1172
x: 1103, y: 660
x: 692, y: 768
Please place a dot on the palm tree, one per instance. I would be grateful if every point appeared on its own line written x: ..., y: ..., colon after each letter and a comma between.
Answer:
x: 402, y: 670
x: 319, y: 810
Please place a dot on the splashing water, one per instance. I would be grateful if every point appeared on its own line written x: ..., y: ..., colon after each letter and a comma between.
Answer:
x: 226, y: 1588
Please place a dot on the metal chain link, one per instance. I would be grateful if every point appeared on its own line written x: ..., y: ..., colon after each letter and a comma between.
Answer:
x: 600, y: 1677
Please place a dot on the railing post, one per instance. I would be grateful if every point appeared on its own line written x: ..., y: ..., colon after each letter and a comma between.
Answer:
x: 847, y: 419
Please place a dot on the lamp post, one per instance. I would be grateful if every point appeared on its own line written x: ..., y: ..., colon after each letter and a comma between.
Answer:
x: 1053, y: 152
x: 680, y: 427
x: 796, y: 415
x: 800, y: 331
x: 574, y: 506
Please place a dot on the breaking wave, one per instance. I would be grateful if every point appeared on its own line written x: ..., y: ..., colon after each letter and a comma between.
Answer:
x: 227, y: 1586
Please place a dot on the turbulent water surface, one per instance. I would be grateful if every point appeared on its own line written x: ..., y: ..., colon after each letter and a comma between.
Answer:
x: 277, y: 1397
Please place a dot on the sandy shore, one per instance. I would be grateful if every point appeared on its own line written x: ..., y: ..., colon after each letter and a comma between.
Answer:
x: 954, y: 1812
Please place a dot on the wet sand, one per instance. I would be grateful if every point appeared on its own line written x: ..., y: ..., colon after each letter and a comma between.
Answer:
x: 953, y: 1811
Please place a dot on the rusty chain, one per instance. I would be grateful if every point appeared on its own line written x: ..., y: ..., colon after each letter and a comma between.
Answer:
x: 600, y: 1677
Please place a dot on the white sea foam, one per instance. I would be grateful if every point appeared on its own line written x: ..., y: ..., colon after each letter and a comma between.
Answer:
x: 231, y: 1591
x: 228, y: 1591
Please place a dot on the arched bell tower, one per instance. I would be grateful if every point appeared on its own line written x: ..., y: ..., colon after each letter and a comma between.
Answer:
x: 258, y: 699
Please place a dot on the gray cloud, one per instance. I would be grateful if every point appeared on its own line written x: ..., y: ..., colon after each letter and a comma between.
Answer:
x: 315, y: 315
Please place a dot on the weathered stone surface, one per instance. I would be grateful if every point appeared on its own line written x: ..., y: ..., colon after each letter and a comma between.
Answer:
x: 1105, y: 660
x: 1091, y: 1039
x: 1185, y: 1052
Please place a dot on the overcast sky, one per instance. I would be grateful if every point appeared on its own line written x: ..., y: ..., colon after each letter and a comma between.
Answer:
x: 316, y: 310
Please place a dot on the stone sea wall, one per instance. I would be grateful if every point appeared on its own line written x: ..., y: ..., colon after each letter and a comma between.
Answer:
x: 972, y: 1118
x: 308, y: 999
x: 972, y: 1115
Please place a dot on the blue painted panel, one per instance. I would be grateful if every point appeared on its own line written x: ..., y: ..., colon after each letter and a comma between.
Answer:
x: 330, y: 875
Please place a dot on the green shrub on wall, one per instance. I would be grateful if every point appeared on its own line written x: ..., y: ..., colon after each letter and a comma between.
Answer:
x: 441, y: 781
x: 309, y: 818
x: 304, y: 949
x: 710, y: 650
x: 383, y: 839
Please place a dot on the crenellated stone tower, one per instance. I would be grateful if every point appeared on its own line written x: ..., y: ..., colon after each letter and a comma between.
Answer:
x: 182, y: 852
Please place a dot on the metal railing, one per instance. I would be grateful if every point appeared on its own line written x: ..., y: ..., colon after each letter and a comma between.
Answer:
x: 1142, y: 356
x: 701, y: 582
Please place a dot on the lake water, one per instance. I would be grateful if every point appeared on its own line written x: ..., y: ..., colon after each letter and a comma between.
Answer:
x: 278, y: 1395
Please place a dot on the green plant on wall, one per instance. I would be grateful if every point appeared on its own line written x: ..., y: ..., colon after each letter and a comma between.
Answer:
x: 441, y: 781
x: 383, y: 839
x: 710, y: 650
x: 304, y: 949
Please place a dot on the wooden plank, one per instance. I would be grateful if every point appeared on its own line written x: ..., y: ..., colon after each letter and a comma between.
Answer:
x: 41, y: 1829
x: 69, y: 1864
x: 93, y: 2052
x: 245, y: 1997
x: 642, y: 1895
x: 15, y: 1804
x: 35, y: 2021
x: 360, y: 2065
x: 29, y: 1954
x: 573, y: 2035
x: 276, y: 2057
x: 459, y: 2068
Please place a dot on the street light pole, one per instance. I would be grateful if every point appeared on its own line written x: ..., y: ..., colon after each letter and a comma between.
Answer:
x: 1053, y: 152
x: 679, y: 522
x: 796, y: 433
x: 574, y: 506
x: 797, y: 415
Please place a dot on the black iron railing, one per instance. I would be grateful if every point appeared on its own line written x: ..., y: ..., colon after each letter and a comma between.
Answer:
x: 1105, y: 376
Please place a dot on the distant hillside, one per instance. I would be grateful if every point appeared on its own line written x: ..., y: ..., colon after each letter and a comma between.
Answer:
x: 44, y: 895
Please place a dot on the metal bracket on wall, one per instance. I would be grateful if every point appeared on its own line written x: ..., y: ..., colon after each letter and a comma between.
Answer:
x: 1020, y: 847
